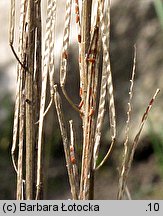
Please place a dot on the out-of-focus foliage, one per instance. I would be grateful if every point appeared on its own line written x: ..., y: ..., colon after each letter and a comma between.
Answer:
x: 6, y: 110
x: 7, y: 175
x: 157, y: 143
x: 159, y: 10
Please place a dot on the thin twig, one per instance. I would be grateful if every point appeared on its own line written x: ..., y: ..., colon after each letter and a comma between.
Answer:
x: 128, y: 161
x: 16, y: 56
x: 51, y: 68
x: 126, y: 146
x: 69, y: 100
x: 12, y: 27
x: 85, y: 41
x: 12, y: 22
x: 43, y: 96
x: 106, y: 156
x: 106, y: 84
x: 15, y: 127
x: 52, y: 47
x: 21, y: 142
x: 66, y: 36
x: 64, y: 55
x: 128, y: 193
x: 66, y: 144
x: 23, y: 41
x: 73, y: 158
x: 29, y: 102
x: 90, y: 54
x: 21, y: 53
x: 38, y: 71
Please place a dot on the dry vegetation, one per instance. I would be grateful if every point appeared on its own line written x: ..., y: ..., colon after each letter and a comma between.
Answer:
x: 35, y: 77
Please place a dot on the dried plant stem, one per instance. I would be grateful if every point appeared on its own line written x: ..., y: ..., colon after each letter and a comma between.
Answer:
x: 46, y: 60
x: 87, y: 150
x: 37, y: 80
x: 64, y: 55
x: 16, y: 56
x: 89, y: 118
x: 106, y: 156
x: 85, y: 41
x: 21, y: 142
x: 15, y: 126
x: 89, y: 65
x: 69, y: 100
x: 19, y: 118
x: 12, y: 22
x: 20, y: 67
x: 38, y: 160
x: 51, y: 67
x: 66, y: 36
x: 33, y: 72
x: 73, y: 159
x: 109, y: 85
x: 21, y: 138
x: 129, y: 158
x: 30, y: 102
x: 106, y: 84
x: 52, y: 48
x: 126, y: 146
x: 66, y: 144
x: 12, y: 29
x: 22, y: 74
x: 127, y: 192
x: 129, y: 106
x: 78, y: 24
x: 101, y: 108
x: 37, y: 92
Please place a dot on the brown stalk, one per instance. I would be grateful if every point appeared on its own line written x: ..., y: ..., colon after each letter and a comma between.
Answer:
x: 89, y: 119
x: 85, y: 41
x: 17, y: 100
x: 19, y: 117
x: 22, y: 74
x: 30, y: 102
x: 21, y: 144
x: 66, y: 143
x: 126, y: 144
x: 106, y: 85
x: 129, y: 158
x: 38, y: 70
x: 37, y: 93
x: 12, y: 30
x: 89, y: 56
x: 73, y: 158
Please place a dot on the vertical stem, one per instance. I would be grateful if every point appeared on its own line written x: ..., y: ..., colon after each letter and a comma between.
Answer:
x: 21, y: 74
x: 30, y: 102
x: 86, y: 23
x: 21, y: 142
x: 131, y: 151
x: 37, y: 82
x: 73, y: 159
x: 87, y: 97
x: 12, y: 22
x: 66, y: 143
x: 43, y: 98
x: 85, y: 41
x: 38, y: 55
